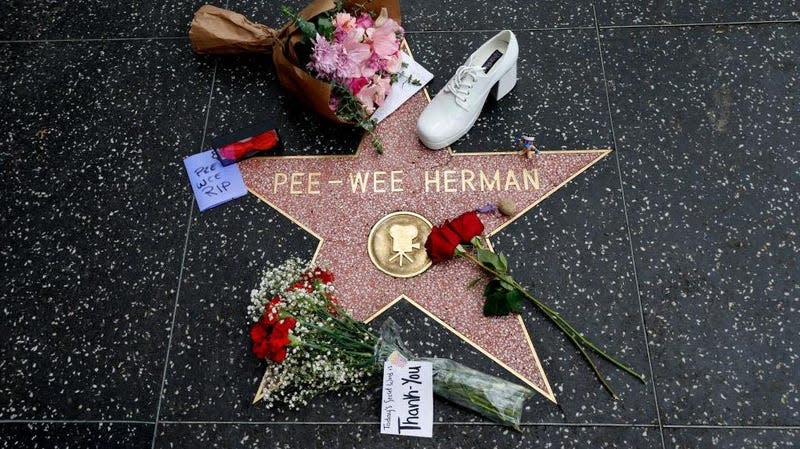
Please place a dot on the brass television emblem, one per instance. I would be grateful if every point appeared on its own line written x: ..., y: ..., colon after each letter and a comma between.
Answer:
x: 396, y: 244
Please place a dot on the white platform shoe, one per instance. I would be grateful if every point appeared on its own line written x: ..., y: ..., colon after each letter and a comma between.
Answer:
x: 492, y: 69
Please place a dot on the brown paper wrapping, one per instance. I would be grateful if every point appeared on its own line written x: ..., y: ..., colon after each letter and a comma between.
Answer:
x: 217, y: 31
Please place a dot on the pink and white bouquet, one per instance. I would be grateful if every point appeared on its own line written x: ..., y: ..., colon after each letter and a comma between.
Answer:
x: 362, y: 54
x: 358, y: 54
x: 338, y: 57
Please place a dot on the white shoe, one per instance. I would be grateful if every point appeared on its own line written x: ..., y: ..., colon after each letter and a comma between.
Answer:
x: 451, y: 114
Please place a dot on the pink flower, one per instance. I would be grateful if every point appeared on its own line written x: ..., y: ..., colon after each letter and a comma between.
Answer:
x: 344, y: 21
x: 327, y: 58
x: 384, y: 39
x: 384, y: 88
x: 356, y: 54
x: 356, y: 84
x: 394, y: 63
x: 333, y: 103
x: 374, y: 93
x: 365, y: 20
x: 372, y: 66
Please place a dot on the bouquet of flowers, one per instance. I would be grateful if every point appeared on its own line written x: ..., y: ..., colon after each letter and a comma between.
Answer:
x: 313, y: 346
x: 339, y: 57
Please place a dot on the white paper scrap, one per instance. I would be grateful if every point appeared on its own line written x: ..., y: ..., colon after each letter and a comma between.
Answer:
x: 212, y: 183
x: 407, y: 402
x: 402, y: 90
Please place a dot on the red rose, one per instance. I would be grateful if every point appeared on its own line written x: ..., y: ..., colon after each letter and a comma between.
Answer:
x: 279, y: 337
x: 260, y: 349
x: 441, y: 243
x: 302, y: 284
x: 467, y: 226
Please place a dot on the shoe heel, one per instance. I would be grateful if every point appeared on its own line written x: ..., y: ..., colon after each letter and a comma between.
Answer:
x: 506, y: 83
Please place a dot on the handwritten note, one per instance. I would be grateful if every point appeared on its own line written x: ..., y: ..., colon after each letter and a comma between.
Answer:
x: 212, y: 183
x: 407, y: 400
x: 402, y: 90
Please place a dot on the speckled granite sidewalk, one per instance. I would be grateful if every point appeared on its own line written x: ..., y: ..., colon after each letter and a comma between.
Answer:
x: 123, y: 307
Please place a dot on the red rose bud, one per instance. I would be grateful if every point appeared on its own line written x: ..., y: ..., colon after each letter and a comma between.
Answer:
x: 441, y: 243
x: 467, y: 226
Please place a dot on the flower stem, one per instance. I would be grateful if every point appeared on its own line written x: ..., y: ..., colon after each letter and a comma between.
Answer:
x: 577, y: 339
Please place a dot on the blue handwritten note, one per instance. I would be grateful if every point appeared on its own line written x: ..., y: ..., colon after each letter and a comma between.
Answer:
x: 212, y: 183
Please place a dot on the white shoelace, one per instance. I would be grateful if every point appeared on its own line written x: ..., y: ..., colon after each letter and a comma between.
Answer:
x: 464, y: 79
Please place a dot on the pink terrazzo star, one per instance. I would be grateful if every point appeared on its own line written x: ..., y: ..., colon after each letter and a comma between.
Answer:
x: 318, y: 194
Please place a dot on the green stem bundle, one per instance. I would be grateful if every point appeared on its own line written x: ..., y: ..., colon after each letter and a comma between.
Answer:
x: 580, y: 342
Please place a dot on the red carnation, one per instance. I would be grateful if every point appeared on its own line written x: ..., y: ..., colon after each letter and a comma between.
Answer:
x: 279, y: 339
x: 258, y: 333
x: 441, y: 243
x: 324, y: 276
x: 467, y: 226
x: 271, y: 337
x: 309, y: 278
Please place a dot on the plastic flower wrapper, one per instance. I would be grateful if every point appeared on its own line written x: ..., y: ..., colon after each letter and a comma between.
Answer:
x: 495, y: 398
x: 313, y: 346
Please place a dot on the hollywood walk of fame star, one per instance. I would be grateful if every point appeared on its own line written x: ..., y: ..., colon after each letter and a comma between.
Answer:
x: 338, y: 199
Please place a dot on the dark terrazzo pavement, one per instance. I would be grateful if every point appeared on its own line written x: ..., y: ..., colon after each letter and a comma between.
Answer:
x: 123, y: 310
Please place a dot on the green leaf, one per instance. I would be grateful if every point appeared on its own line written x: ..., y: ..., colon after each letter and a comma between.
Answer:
x: 495, y: 306
x: 503, y: 262
x: 474, y: 282
x: 495, y: 261
x: 488, y: 258
x: 307, y: 28
x: 514, y: 298
x: 325, y: 28
x: 496, y: 303
x: 507, y: 281
x: 288, y: 12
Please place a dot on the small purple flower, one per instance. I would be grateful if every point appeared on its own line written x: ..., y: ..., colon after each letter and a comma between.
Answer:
x: 487, y: 209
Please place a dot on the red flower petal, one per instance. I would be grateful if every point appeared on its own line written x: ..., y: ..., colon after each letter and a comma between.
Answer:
x: 441, y: 243
x: 326, y: 277
x: 258, y: 332
x: 260, y: 349
x: 279, y: 356
x: 467, y: 226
